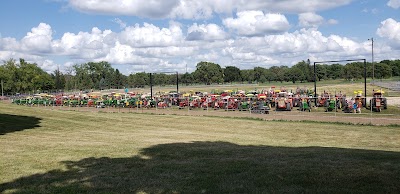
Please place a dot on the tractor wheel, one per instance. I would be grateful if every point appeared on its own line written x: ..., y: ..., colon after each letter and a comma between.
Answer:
x: 384, y: 103
x: 288, y: 106
x: 309, y: 110
x: 370, y: 104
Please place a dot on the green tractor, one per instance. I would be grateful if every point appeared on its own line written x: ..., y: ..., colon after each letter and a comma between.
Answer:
x: 244, y: 106
x: 73, y: 102
x: 330, y: 105
x: 305, y: 105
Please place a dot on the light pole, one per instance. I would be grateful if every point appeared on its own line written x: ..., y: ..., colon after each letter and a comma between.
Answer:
x: 373, y: 68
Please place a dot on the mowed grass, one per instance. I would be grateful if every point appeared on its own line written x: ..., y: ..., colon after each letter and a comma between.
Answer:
x: 82, y: 152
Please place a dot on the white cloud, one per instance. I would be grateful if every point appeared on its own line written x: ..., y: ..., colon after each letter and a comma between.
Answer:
x: 256, y: 23
x: 8, y: 43
x: 87, y: 45
x: 332, y: 22
x: 313, y: 20
x: 150, y: 47
x: 38, y: 40
x: 310, y: 20
x: 194, y: 9
x: 394, y: 4
x: 150, y: 35
x: 390, y: 29
x: 121, y: 23
x: 206, y: 32
x: 142, y: 8
x: 47, y: 65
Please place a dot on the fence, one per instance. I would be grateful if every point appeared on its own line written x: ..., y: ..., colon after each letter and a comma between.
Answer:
x: 347, y: 110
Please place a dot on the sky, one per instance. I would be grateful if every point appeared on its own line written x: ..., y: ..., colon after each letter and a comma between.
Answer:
x: 174, y: 35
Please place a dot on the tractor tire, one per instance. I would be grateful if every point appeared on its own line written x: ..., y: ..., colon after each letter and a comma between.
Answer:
x: 384, y: 103
x: 288, y: 107
x: 370, y: 104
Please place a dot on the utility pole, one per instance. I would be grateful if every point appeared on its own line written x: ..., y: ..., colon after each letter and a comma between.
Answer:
x: 373, y: 68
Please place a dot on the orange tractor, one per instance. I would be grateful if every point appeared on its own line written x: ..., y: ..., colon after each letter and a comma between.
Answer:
x: 283, y: 102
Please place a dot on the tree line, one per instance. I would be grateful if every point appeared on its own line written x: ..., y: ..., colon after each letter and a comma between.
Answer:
x: 24, y: 77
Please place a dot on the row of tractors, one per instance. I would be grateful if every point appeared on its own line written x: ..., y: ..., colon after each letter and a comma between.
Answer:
x: 255, y: 101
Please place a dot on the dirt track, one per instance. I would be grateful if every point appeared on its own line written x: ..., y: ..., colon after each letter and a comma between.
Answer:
x: 295, y: 115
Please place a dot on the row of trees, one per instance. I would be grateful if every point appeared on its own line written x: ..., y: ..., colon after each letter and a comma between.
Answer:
x: 28, y: 77
x: 301, y: 72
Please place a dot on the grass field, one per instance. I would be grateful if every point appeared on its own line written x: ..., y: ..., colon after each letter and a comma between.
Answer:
x: 53, y: 151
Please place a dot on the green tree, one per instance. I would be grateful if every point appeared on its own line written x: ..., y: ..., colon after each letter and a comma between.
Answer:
x: 232, y: 74
x: 247, y: 75
x: 208, y: 72
x: 353, y: 71
x: 59, y: 80
x: 294, y: 74
x: 187, y: 78
x: 382, y: 70
x: 139, y: 80
x: 279, y: 72
x: 118, y: 79
x: 321, y: 71
x: 306, y: 71
x: 259, y: 74
x: 334, y: 71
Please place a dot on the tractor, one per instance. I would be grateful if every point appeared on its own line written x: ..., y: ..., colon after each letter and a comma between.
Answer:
x: 359, y: 97
x: 378, y: 101
x: 232, y: 104
x: 183, y: 102
x: 330, y: 105
x: 260, y: 107
x: 323, y: 100
x: 305, y: 105
x: 283, y: 102
x: 244, y: 105
x: 348, y: 107
x: 340, y: 100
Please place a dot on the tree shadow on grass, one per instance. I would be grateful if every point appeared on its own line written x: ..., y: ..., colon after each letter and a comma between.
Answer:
x: 12, y: 123
x: 221, y: 167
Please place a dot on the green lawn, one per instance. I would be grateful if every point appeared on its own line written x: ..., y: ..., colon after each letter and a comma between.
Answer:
x: 52, y: 151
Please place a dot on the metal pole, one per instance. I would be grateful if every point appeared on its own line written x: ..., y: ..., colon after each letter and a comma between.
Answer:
x: 373, y: 68
x: 365, y: 83
x: 315, y: 84
x: 177, y: 82
x: 151, y: 87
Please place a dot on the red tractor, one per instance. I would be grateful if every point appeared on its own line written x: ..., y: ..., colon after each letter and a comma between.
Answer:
x: 232, y: 104
x: 378, y: 101
x: 183, y: 102
x: 323, y: 100
x: 195, y: 102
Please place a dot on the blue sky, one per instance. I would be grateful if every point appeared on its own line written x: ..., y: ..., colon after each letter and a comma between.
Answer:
x: 161, y: 35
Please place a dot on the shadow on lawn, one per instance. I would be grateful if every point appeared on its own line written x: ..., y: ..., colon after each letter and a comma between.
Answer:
x: 12, y: 123
x: 221, y: 167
